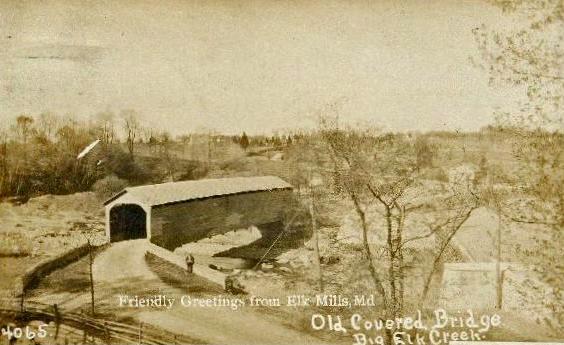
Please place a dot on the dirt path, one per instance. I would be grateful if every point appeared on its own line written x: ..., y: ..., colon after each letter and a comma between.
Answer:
x: 122, y: 260
x: 122, y: 269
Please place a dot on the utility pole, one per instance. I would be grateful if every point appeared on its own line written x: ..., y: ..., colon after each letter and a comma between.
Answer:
x: 209, y: 146
x: 499, y: 285
x: 315, y: 233
x: 495, y: 204
x: 337, y: 120
x: 91, y: 277
x: 499, y: 282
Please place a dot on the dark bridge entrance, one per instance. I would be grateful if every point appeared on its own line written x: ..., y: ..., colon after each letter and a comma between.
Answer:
x: 127, y: 222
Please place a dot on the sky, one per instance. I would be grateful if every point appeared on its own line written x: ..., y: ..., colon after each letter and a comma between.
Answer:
x: 255, y: 66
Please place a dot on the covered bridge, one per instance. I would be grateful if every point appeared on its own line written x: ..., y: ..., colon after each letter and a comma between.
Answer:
x: 175, y: 213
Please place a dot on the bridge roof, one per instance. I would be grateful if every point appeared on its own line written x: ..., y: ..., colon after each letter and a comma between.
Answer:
x: 173, y: 192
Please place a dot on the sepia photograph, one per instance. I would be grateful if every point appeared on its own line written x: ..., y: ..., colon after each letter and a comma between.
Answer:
x: 273, y: 172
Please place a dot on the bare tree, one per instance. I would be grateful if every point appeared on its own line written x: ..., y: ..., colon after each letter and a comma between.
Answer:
x: 378, y: 174
x: 450, y: 212
x: 531, y: 56
x: 244, y: 141
x: 69, y: 134
x: 105, y: 127
x: 24, y: 127
x: 305, y: 172
x: 184, y: 139
x: 4, y: 171
x: 150, y: 138
x: 47, y: 125
x: 165, y: 142
x: 132, y: 129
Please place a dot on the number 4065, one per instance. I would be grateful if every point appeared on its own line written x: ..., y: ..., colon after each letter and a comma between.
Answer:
x: 26, y: 332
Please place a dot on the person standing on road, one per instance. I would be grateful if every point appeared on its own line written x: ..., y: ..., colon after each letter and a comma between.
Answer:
x: 189, y: 263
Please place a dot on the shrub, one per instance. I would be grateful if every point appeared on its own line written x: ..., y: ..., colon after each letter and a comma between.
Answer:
x: 193, y: 170
x: 108, y: 186
x: 13, y: 244
x: 120, y: 164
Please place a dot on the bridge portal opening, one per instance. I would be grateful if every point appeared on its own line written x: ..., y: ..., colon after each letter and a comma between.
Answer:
x: 127, y: 222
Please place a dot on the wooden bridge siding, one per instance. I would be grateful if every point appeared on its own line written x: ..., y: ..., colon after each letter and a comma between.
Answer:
x: 180, y: 223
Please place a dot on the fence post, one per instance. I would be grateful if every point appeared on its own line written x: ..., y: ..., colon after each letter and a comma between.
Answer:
x: 22, y: 301
x: 107, y: 332
x: 57, y: 320
x: 84, y: 334
x: 140, y: 333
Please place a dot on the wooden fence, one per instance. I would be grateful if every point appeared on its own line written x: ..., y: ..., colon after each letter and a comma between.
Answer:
x: 109, y: 332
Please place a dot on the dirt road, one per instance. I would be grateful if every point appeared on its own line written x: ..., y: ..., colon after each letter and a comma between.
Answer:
x: 122, y: 269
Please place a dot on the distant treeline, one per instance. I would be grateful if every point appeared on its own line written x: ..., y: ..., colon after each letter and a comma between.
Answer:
x: 38, y: 154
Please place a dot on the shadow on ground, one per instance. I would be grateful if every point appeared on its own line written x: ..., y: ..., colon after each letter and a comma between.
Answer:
x: 269, y: 247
